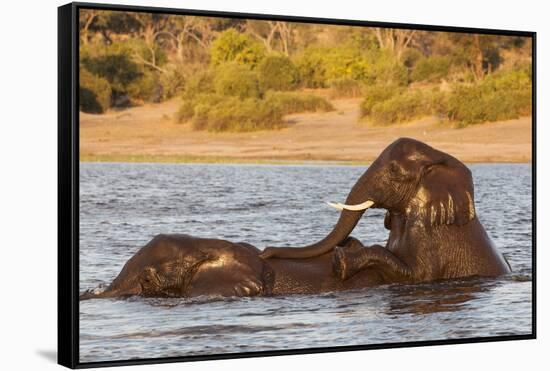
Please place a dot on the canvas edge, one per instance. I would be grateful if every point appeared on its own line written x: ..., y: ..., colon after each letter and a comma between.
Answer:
x: 68, y: 177
x: 67, y: 192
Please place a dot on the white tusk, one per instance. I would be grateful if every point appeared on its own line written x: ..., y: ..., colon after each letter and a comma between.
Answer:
x: 336, y: 206
x: 365, y: 205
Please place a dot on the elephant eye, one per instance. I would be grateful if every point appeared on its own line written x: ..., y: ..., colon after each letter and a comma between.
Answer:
x: 394, y: 170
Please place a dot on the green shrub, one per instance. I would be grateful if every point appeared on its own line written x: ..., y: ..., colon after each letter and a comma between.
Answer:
x: 143, y: 51
x: 233, y: 79
x: 172, y: 81
x: 277, y: 72
x: 320, y: 65
x: 112, y: 62
x: 94, y: 92
x: 410, y: 57
x: 186, y: 111
x: 375, y: 94
x: 200, y: 116
x: 234, y: 114
x: 432, y: 69
x: 498, y: 97
x: 200, y: 83
x: 146, y: 88
x: 291, y: 102
x: 311, y: 66
x: 190, y: 105
x: 399, y: 108
x: 213, y: 112
x: 346, y: 88
x: 390, y: 104
x: 116, y: 63
x: 232, y: 46
x: 384, y: 68
x: 437, y: 102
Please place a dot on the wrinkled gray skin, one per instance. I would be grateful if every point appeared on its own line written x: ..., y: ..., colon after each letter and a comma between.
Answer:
x: 186, y: 266
x: 434, y: 229
x: 434, y: 234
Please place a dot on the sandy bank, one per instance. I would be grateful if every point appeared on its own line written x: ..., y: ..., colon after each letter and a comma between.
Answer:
x: 149, y: 133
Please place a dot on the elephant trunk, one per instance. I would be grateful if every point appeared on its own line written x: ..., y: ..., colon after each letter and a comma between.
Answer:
x: 120, y: 287
x: 110, y: 293
x: 95, y: 294
x: 345, y: 225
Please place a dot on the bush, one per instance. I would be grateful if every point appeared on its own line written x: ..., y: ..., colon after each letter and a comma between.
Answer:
x: 233, y: 79
x: 234, y: 114
x: 320, y: 65
x: 172, y: 81
x: 219, y: 113
x: 94, y: 92
x: 346, y: 88
x: 128, y: 80
x: 186, y: 111
x: 383, y: 68
x: 147, y: 88
x: 200, y: 116
x: 399, y: 108
x: 214, y: 112
x: 113, y: 63
x: 501, y: 96
x: 200, y: 83
x: 232, y: 46
x: 385, y: 105
x: 437, y: 102
x: 410, y: 57
x: 431, y: 69
x: 190, y: 105
x: 277, y: 72
x: 290, y: 103
x: 144, y: 51
x: 311, y: 66
x: 375, y: 94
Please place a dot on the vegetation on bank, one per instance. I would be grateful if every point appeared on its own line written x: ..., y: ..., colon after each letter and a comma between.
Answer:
x: 500, y: 96
x: 231, y: 97
x: 244, y: 75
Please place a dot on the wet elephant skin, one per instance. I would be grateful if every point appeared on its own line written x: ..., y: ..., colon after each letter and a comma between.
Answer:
x: 186, y: 266
x: 434, y: 233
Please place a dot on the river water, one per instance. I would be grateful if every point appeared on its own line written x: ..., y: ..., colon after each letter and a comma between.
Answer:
x: 122, y: 206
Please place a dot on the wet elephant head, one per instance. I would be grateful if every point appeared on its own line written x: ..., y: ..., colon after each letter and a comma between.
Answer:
x: 184, y: 266
x: 408, y: 178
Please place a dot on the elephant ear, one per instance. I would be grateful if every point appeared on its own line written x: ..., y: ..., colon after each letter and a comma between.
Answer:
x: 445, y: 195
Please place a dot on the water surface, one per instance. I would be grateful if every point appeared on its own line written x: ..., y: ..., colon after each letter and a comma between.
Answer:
x: 122, y: 206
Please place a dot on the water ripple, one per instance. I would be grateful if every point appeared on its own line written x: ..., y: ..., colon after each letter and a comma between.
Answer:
x: 124, y: 205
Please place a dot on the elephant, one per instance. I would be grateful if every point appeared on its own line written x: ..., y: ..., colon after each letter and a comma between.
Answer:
x: 434, y: 233
x: 179, y: 265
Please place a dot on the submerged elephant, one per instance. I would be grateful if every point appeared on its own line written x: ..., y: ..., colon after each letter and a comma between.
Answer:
x: 186, y: 266
x: 434, y: 234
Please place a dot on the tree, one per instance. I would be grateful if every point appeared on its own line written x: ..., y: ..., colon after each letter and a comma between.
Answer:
x: 185, y: 33
x: 396, y: 40
x: 232, y: 46
x: 87, y: 17
x: 478, y: 53
x: 151, y: 26
x: 275, y: 35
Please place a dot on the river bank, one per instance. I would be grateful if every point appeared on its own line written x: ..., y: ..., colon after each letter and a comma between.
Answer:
x: 149, y: 134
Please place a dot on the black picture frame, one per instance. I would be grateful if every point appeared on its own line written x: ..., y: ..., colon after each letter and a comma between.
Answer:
x: 68, y: 183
